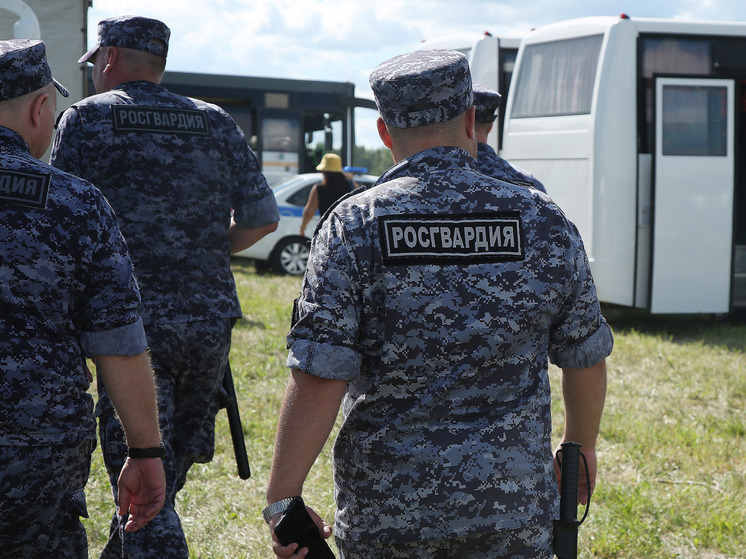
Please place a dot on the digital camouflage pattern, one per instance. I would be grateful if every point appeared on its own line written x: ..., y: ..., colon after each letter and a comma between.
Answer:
x: 24, y: 68
x: 495, y: 166
x: 42, y: 499
x: 67, y: 291
x: 529, y: 542
x: 438, y: 295
x: 190, y: 360
x: 422, y: 87
x: 486, y: 103
x: 132, y: 32
x: 172, y: 169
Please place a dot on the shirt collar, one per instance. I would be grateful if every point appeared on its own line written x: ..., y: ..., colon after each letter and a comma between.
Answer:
x: 10, y: 140
x: 440, y: 158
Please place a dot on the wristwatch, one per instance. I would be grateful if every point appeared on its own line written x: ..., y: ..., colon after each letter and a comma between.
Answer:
x: 153, y: 452
x: 277, y: 507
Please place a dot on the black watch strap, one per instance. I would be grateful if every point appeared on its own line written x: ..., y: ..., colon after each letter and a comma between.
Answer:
x: 153, y: 452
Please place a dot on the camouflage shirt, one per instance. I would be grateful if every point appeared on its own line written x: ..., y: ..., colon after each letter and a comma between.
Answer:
x: 439, y: 294
x: 495, y: 166
x: 172, y: 168
x: 66, y: 291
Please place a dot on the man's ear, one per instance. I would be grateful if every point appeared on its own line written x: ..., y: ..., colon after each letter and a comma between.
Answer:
x: 36, y: 108
x: 469, y: 121
x: 112, y: 57
x: 383, y: 132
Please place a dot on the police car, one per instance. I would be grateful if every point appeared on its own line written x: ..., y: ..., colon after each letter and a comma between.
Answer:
x: 285, y: 250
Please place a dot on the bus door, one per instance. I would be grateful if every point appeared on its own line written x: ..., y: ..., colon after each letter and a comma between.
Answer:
x: 693, y: 196
x: 280, y: 144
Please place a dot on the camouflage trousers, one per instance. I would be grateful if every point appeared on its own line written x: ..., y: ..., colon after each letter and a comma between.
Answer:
x: 189, y: 360
x: 530, y: 542
x: 42, y: 499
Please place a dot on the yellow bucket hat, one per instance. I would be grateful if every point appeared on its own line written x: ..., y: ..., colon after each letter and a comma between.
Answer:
x: 331, y: 163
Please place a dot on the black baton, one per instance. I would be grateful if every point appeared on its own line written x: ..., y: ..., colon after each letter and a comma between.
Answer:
x: 566, y: 528
x: 234, y: 421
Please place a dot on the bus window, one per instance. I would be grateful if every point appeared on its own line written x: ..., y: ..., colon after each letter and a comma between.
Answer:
x: 667, y: 55
x: 557, y: 78
x: 695, y: 121
x: 280, y: 134
x: 280, y: 143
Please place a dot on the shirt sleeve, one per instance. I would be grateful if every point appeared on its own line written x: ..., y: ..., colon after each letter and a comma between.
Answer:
x: 323, y: 342
x: 580, y: 337
x: 107, y: 314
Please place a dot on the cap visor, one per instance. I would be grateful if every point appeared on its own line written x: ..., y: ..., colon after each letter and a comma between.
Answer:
x: 88, y: 55
x: 61, y: 88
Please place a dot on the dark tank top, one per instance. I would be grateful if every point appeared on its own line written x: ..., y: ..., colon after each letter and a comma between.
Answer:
x: 328, y: 194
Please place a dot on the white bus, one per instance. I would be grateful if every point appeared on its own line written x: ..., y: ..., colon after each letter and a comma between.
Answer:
x: 637, y: 128
x: 491, y: 60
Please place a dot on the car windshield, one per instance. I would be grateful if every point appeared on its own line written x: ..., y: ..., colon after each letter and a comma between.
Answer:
x: 287, y: 183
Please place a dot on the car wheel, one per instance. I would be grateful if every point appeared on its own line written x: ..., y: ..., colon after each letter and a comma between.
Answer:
x: 291, y: 256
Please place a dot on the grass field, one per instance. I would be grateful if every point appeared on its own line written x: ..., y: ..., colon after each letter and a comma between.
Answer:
x: 672, y: 451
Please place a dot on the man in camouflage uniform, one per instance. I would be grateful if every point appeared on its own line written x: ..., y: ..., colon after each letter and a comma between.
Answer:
x: 67, y: 291
x: 487, y: 103
x: 431, y: 304
x: 172, y: 168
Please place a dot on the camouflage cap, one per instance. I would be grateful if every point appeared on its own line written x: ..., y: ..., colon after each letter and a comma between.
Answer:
x: 486, y: 101
x: 132, y: 32
x: 24, y: 68
x: 422, y: 87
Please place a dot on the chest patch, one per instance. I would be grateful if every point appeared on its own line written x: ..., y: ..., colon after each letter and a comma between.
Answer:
x: 452, y: 239
x: 24, y: 189
x: 164, y: 120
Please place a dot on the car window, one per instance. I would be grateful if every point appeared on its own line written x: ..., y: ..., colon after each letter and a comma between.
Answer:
x: 300, y: 197
x: 287, y: 183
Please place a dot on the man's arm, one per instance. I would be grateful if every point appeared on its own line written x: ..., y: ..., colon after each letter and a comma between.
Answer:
x: 584, y: 394
x: 309, y: 410
x: 142, y: 482
x: 243, y: 237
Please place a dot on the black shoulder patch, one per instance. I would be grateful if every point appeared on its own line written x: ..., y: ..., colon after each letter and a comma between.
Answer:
x: 24, y: 189
x: 164, y: 120
x: 444, y: 239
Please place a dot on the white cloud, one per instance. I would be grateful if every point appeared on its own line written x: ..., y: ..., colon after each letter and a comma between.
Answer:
x: 342, y: 40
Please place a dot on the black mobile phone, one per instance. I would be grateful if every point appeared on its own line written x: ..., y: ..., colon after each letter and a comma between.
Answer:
x: 297, y: 526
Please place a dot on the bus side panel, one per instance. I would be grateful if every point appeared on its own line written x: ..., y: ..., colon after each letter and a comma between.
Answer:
x: 484, y: 64
x: 615, y: 167
x: 587, y: 161
x: 557, y: 151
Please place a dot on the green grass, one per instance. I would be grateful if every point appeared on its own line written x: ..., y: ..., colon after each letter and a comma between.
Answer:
x: 672, y: 450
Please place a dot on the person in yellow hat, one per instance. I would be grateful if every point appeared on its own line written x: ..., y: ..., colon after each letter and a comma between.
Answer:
x: 324, y: 194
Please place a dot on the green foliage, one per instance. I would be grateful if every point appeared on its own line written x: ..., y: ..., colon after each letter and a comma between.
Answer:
x: 376, y: 160
x: 672, y: 450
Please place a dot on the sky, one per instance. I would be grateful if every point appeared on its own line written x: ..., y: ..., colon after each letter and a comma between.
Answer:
x: 343, y: 40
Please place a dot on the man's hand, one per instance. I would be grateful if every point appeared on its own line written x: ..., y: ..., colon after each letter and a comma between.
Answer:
x: 584, y: 492
x: 142, y: 491
x: 292, y: 550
